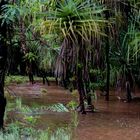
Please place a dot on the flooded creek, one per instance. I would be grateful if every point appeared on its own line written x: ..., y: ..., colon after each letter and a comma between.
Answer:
x: 113, y: 120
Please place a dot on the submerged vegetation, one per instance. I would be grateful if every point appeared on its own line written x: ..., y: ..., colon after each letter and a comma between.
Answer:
x: 24, y: 126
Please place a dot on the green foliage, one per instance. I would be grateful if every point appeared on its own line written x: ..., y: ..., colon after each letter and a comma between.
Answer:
x: 31, y: 119
x: 72, y: 105
x: 24, y: 126
x: 14, y: 79
x: 14, y: 128
x: 29, y: 132
x: 58, y: 108
x: 74, y: 93
x: 16, y: 132
x: 26, y: 110
x: 19, y: 103
x: 18, y: 79
x: 97, y: 85
x: 97, y: 72
x: 99, y: 82
x: 60, y: 133
x: 19, y: 130
x: 30, y: 57
x: 74, y: 121
x: 93, y: 95
x: 79, y: 27
x: 75, y: 17
x: 47, y: 56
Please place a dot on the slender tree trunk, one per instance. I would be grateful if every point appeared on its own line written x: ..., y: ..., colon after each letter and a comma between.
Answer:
x: 3, y: 59
x: 43, y: 80
x: 128, y: 91
x: 108, y: 72
x: 30, y: 72
x: 3, y: 56
x: 2, y: 110
x: 107, y: 57
x: 80, y: 87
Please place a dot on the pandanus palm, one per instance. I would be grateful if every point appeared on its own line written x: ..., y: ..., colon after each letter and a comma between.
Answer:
x: 79, y: 24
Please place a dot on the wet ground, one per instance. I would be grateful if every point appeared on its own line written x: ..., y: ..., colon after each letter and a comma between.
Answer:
x: 113, y: 120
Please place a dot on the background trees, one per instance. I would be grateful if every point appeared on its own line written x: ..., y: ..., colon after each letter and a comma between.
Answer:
x: 78, y: 40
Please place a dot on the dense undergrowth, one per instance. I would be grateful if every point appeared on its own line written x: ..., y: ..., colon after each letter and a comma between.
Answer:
x: 18, y: 79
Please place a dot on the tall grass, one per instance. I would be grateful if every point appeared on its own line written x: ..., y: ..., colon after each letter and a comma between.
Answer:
x: 14, y: 132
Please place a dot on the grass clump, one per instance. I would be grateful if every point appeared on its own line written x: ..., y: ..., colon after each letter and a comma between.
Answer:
x: 14, y: 131
x: 72, y: 105
x: 18, y: 79
x: 15, y: 79
x: 43, y: 90
x: 57, y: 108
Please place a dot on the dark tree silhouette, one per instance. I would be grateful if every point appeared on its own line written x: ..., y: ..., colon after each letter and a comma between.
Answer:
x: 3, y: 58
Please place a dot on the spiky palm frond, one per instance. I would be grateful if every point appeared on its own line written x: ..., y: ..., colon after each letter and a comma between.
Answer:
x: 78, y: 22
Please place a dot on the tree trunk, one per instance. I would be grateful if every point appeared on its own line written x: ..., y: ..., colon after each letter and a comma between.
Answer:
x: 80, y: 87
x: 128, y: 91
x: 2, y: 110
x: 107, y: 57
x: 3, y: 57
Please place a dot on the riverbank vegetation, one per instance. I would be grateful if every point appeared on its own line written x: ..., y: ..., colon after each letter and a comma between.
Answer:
x: 84, y: 45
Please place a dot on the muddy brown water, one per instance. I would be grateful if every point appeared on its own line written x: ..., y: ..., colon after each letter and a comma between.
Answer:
x: 113, y: 120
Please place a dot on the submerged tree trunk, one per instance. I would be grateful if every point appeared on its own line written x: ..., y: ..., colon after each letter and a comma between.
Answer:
x: 80, y: 87
x: 30, y: 72
x: 128, y: 91
x: 129, y: 84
